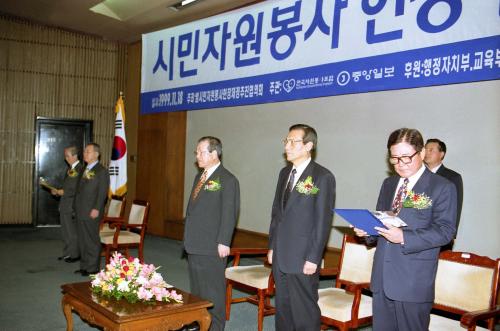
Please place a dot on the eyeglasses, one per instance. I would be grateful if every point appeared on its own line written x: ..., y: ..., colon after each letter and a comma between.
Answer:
x: 403, y: 159
x: 200, y: 152
x: 291, y: 141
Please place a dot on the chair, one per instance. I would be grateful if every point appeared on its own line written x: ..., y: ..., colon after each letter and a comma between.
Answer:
x: 466, y: 285
x: 132, y: 235
x: 254, y: 278
x: 116, y: 210
x: 345, y: 306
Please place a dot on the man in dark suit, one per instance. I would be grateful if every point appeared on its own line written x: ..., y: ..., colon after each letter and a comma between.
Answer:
x: 71, y: 252
x: 211, y: 217
x: 435, y: 150
x: 89, y: 206
x: 300, y: 225
x: 406, y: 259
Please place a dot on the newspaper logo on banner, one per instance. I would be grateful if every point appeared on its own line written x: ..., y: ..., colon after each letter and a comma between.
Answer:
x: 118, y: 164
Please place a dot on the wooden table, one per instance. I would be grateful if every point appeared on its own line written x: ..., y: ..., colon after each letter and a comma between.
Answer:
x: 114, y: 314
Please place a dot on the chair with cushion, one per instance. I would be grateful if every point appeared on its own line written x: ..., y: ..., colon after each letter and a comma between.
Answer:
x: 466, y: 287
x: 114, y: 213
x: 255, y: 279
x: 345, y: 306
x: 128, y: 234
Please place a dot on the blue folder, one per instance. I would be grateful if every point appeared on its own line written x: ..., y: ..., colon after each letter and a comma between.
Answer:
x: 362, y: 219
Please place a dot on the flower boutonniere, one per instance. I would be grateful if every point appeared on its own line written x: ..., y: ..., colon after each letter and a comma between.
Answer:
x: 89, y: 174
x: 307, y: 186
x: 213, y: 185
x: 72, y: 172
x: 417, y: 201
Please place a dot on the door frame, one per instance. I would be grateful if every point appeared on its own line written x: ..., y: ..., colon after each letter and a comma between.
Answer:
x: 40, y: 120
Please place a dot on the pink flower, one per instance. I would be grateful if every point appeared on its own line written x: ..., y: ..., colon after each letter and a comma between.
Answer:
x: 176, y: 296
x: 144, y: 294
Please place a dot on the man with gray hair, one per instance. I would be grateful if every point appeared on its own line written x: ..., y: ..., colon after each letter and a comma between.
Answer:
x: 71, y: 252
x: 211, y: 216
x: 89, y: 207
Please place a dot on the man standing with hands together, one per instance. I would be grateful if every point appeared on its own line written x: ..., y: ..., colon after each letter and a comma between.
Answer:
x: 300, y: 225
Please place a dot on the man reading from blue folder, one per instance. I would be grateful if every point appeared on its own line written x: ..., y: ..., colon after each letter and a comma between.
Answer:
x: 405, y: 262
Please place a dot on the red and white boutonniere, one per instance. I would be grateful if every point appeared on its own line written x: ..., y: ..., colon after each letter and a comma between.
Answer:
x: 72, y: 173
x: 417, y: 201
x: 307, y: 186
x: 213, y: 185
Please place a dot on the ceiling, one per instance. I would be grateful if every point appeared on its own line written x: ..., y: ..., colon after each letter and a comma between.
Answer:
x: 122, y: 20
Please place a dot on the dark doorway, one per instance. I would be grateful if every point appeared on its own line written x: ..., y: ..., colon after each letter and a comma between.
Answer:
x: 52, y: 136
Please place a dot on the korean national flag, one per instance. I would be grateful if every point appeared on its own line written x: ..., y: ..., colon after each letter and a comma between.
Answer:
x: 118, y: 164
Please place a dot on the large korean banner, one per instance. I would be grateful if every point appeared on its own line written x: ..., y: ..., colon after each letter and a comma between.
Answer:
x: 282, y: 50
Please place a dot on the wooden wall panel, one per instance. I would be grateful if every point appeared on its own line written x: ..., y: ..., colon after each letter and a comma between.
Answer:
x: 160, y: 166
x: 51, y: 73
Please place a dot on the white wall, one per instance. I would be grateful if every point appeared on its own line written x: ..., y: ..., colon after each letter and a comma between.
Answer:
x: 352, y: 134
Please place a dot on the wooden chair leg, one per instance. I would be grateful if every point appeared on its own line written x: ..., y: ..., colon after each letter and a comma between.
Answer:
x: 107, y: 255
x: 141, y: 253
x: 260, y: 315
x: 229, y: 296
x: 343, y: 328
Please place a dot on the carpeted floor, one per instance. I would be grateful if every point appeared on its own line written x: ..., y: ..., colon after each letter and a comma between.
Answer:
x: 31, y: 276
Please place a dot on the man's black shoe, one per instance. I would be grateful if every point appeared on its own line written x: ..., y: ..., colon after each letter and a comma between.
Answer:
x: 71, y: 259
x: 63, y: 257
x: 86, y: 273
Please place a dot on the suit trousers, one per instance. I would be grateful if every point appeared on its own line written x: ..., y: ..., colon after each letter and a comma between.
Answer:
x: 207, y: 280
x: 90, y: 244
x: 296, y: 300
x: 391, y: 315
x: 69, y: 235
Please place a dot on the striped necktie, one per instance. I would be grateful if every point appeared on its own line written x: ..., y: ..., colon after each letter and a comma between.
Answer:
x: 289, y: 187
x: 198, y: 187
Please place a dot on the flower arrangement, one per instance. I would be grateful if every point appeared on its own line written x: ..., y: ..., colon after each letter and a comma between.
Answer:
x: 132, y: 280
x: 307, y: 186
x: 417, y: 201
x: 72, y: 173
x: 213, y: 185
x: 89, y: 174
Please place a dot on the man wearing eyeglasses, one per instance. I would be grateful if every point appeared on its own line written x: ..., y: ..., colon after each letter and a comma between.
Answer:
x: 211, y: 217
x: 406, y: 259
x: 300, y: 225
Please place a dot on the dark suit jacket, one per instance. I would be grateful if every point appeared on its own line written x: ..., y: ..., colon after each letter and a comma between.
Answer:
x: 299, y: 232
x: 211, y: 217
x: 70, y: 185
x: 407, y: 272
x: 456, y: 179
x: 92, y: 193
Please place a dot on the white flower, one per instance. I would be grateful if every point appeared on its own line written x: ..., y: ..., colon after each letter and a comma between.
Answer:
x: 123, y: 286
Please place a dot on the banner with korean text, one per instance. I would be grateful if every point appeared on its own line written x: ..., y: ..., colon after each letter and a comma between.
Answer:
x: 287, y: 49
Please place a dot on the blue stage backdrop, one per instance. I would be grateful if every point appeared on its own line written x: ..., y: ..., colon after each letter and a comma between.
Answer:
x: 286, y: 50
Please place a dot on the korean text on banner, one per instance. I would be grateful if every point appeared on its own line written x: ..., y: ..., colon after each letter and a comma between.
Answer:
x: 295, y: 49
